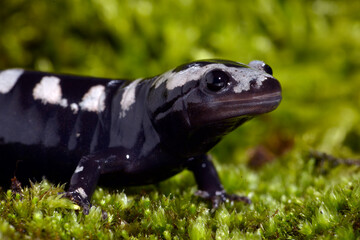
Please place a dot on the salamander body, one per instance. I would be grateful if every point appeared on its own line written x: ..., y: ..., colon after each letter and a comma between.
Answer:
x: 119, y: 132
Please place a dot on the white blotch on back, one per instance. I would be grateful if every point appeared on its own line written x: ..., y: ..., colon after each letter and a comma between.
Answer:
x: 93, y: 100
x: 63, y: 102
x: 48, y: 90
x: 128, y: 97
x: 8, y: 79
x: 74, y: 107
x: 102, y: 101
x: 194, y: 73
x: 79, y: 169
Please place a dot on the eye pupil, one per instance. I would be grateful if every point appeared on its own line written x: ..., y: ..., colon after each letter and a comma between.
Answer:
x: 216, y: 80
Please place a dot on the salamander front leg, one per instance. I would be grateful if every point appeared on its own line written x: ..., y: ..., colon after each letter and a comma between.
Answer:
x: 84, y: 180
x: 209, y: 183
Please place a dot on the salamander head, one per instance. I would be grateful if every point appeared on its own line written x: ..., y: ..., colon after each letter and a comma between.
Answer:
x: 208, y: 99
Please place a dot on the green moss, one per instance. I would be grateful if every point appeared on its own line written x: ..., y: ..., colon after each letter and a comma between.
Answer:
x: 313, y: 48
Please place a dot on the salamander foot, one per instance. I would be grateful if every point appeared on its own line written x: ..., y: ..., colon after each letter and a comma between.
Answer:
x: 77, y: 198
x: 220, y: 197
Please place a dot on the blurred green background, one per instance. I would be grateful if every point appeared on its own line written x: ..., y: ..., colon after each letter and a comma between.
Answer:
x: 312, y: 46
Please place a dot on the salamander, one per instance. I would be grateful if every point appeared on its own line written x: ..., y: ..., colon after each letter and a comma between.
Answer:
x: 89, y: 131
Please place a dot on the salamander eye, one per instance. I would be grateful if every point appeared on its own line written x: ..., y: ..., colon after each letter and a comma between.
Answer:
x: 216, y: 80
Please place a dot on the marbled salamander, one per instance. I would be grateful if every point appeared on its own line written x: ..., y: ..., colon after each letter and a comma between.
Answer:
x: 121, y: 132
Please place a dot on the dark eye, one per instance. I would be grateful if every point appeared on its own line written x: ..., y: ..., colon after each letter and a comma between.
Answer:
x: 216, y: 80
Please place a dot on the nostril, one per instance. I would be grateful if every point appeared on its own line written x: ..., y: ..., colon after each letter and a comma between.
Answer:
x: 253, y: 84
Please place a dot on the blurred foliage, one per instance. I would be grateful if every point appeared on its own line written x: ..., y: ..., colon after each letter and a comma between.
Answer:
x: 314, y: 50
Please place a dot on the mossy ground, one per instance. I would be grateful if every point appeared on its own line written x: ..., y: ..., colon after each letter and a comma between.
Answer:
x: 314, y: 50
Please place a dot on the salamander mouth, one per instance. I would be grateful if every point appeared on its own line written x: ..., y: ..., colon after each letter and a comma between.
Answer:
x: 253, y: 106
x: 235, y: 110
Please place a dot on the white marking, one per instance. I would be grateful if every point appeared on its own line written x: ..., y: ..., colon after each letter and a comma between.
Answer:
x: 77, y: 135
x: 246, y: 77
x: 8, y: 79
x: 48, y: 90
x: 203, y: 165
x: 79, y: 169
x: 128, y: 97
x: 74, y: 107
x: 194, y: 73
x: 219, y: 193
x: 102, y: 101
x: 81, y: 192
x: 64, y: 102
x: 127, y: 156
x: 177, y: 79
x: 93, y: 100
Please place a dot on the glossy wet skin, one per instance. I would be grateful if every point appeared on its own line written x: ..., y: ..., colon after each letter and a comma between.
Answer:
x: 208, y: 104
x: 128, y: 133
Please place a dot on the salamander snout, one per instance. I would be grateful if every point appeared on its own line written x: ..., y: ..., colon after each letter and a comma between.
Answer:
x: 269, y: 85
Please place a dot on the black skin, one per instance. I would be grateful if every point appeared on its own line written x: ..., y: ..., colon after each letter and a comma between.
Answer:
x: 164, y: 131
